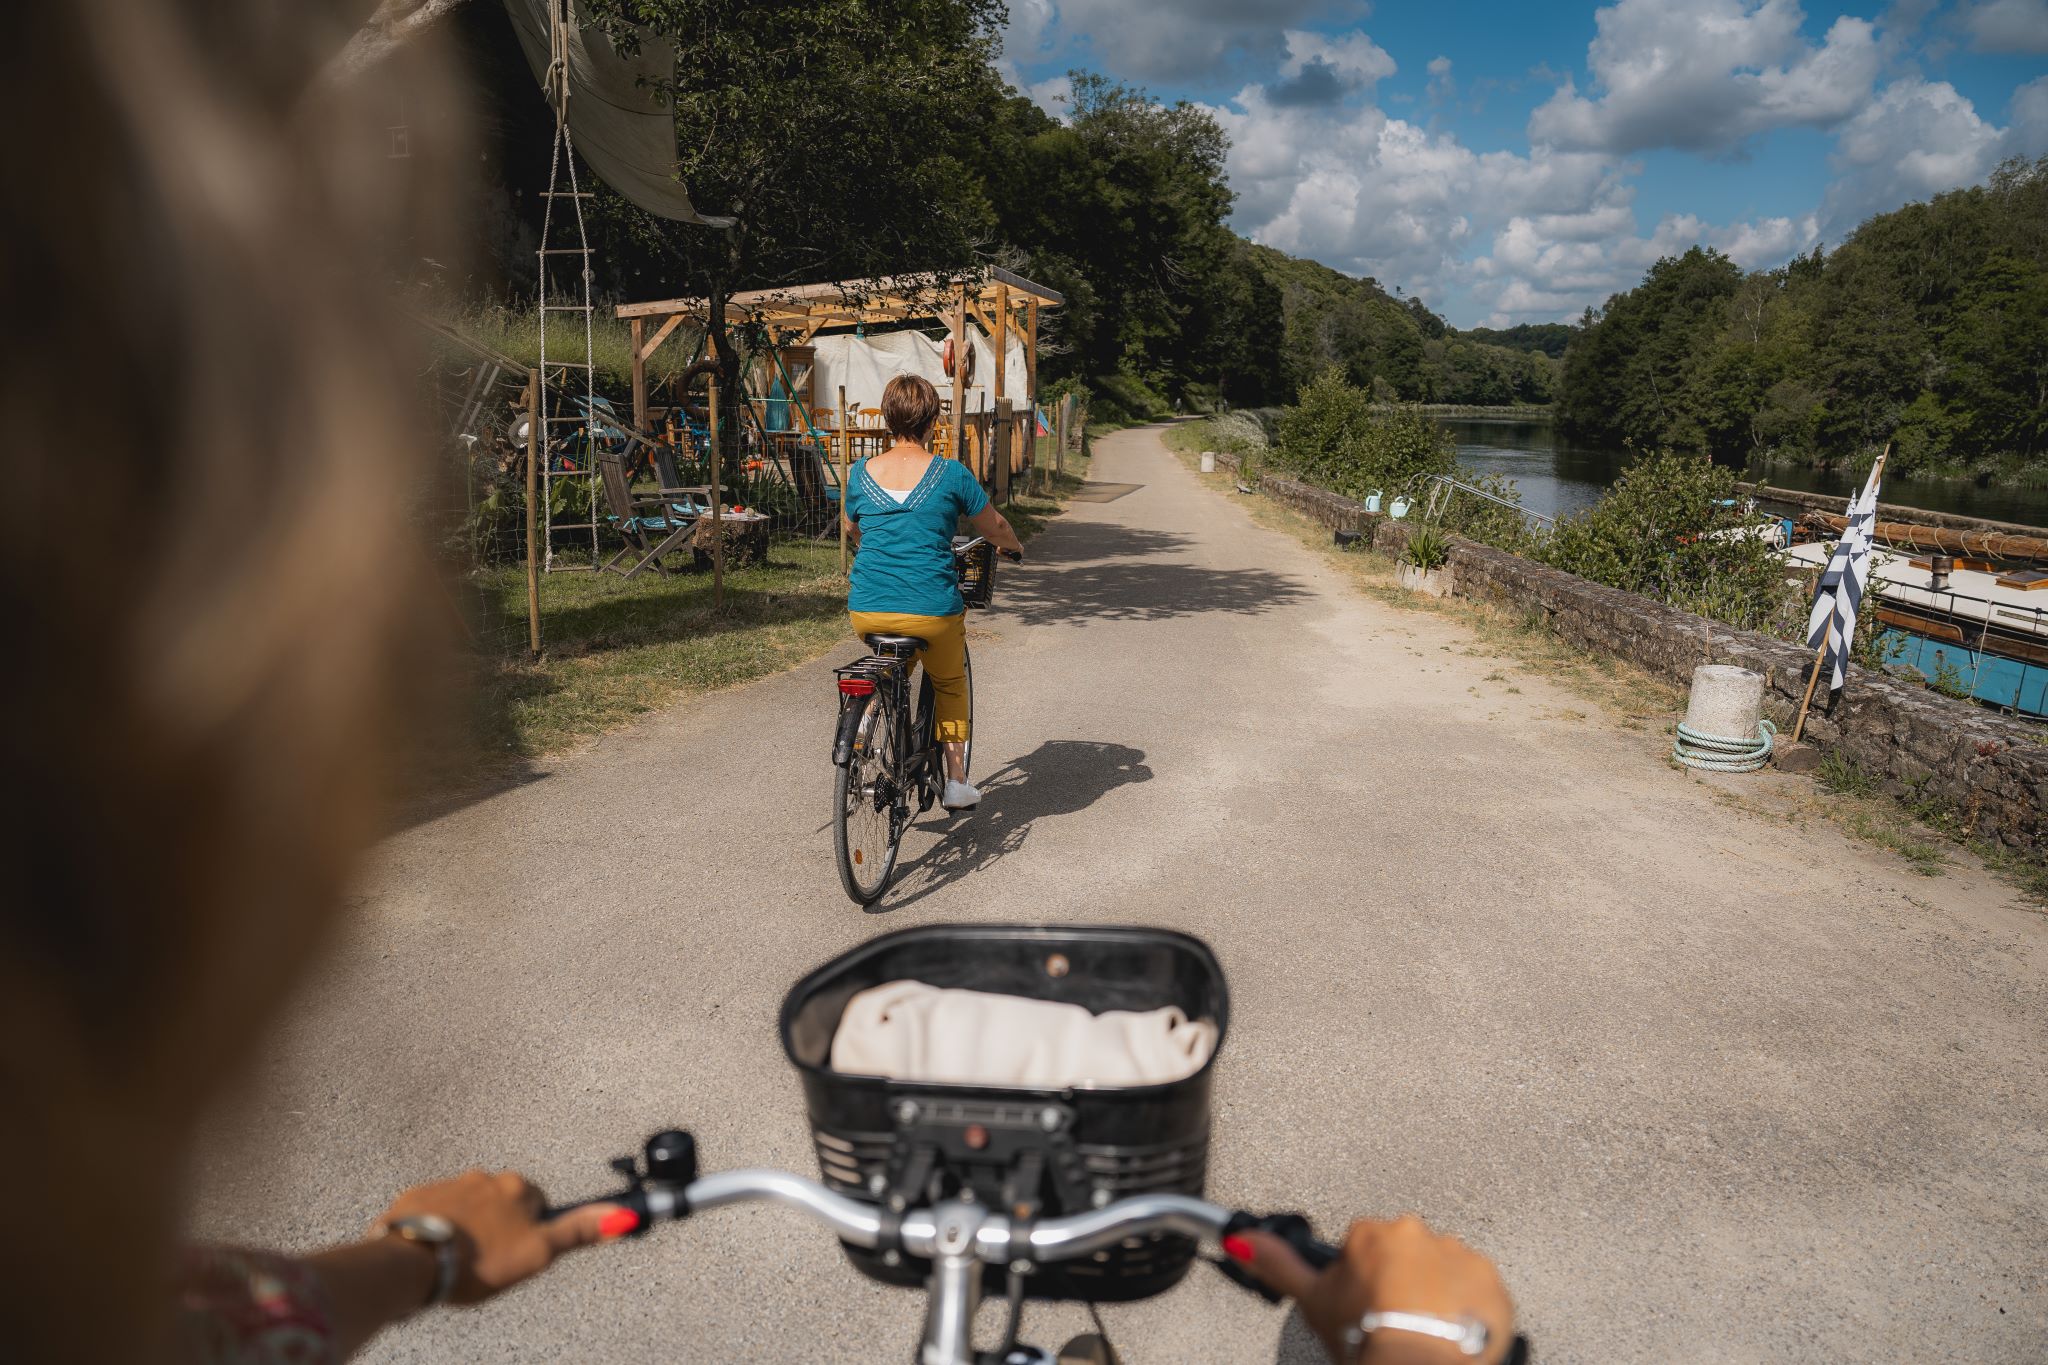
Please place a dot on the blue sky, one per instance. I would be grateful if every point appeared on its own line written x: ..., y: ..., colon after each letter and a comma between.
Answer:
x: 1515, y: 162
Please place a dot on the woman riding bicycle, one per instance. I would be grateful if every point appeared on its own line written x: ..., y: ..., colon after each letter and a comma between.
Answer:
x: 902, y: 507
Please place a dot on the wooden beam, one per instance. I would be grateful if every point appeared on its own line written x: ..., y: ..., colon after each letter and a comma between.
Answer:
x: 535, y: 443
x: 921, y: 294
x: 959, y: 378
x: 654, y: 343
x: 1002, y: 344
x: 1031, y: 353
x: 717, y: 502
x: 845, y: 444
x: 1031, y: 388
x: 638, y: 326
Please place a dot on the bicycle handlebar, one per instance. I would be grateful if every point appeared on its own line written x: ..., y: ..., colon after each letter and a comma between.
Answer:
x: 963, y: 547
x: 988, y: 1235
x: 955, y: 1235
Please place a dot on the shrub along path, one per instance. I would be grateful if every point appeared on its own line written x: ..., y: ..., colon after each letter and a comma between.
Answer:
x: 1710, y: 1087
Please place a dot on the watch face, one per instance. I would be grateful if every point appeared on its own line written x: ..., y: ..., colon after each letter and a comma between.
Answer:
x: 428, y: 1227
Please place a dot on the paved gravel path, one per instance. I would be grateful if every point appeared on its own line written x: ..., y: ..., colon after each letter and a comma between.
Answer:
x: 1708, y: 1087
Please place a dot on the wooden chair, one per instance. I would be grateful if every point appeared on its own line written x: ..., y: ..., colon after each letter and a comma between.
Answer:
x: 640, y: 519
x: 690, y: 498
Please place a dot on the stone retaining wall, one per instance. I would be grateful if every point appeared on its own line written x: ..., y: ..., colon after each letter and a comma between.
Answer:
x: 1993, y: 770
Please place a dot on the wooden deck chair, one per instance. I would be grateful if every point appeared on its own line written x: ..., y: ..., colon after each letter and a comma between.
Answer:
x: 689, y: 498
x: 639, y: 520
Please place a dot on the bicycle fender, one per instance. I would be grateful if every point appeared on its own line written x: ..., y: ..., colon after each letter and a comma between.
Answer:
x: 849, y: 725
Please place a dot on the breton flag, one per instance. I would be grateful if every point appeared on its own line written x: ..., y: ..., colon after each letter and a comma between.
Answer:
x: 1833, y: 619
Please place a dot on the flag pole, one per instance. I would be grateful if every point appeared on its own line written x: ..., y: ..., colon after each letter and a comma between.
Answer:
x: 1820, y: 657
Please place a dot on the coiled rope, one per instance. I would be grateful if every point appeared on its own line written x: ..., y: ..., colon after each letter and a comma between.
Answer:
x: 1720, y: 754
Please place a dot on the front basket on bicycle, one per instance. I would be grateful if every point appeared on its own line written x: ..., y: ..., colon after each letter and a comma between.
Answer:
x: 1053, y: 1151
x: 977, y: 574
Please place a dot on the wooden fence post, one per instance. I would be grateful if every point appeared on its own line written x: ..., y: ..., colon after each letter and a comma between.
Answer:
x: 639, y: 340
x: 534, y: 444
x: 999, y: 464
x: 717, y: 506
x: 845, y: 471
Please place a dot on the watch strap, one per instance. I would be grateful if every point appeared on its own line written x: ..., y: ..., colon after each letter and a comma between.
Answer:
x: 438, y: 1236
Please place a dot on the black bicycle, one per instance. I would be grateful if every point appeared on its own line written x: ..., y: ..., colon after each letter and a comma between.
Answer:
x: 886, y: 755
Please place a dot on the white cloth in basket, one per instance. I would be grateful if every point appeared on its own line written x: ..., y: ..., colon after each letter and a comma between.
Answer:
x: 909, y: 1031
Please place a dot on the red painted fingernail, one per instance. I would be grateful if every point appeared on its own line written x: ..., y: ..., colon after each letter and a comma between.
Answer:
x: 618, y: 1223
x: 1237, y: 1249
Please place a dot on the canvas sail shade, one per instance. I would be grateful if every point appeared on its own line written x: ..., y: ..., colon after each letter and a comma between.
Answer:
x: 622, y: 127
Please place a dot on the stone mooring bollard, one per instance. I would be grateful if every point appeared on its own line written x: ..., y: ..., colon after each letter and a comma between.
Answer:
x: 1724, y: 730
x: 1726, y: 701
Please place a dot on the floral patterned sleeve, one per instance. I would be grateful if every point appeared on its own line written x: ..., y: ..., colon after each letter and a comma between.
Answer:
x: 251, y: 1308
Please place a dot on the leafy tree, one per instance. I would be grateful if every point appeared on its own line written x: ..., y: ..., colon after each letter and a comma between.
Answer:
x: 1670, y: 529
x: 1548, y: 338
x: 1335, y: 437
x: 1625, y: 374
x: 1926, y: 329
x: 834, y: 131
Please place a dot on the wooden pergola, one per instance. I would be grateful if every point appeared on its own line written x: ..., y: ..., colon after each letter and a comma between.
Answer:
x: 999, y: 302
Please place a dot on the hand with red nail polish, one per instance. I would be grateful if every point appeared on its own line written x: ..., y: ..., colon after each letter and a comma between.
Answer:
x: 499, y: 1229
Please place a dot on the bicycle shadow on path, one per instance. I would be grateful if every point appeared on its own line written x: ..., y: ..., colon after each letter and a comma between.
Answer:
x: 1059, y: 777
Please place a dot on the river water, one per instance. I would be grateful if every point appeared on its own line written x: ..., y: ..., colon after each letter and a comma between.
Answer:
x: 1558, y: 478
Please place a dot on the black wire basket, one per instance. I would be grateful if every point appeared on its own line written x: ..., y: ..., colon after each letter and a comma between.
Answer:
x: 1050, y: 1152
x: 977, y: 572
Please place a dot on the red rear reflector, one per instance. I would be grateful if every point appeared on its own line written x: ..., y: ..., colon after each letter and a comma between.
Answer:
x: 857, y: 687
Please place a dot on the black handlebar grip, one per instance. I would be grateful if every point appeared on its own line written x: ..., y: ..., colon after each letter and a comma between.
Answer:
x: 1290, y: 1228
x: 1014, y: 556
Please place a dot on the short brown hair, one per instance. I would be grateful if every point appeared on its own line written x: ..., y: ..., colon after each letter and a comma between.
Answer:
x: 910, y: 405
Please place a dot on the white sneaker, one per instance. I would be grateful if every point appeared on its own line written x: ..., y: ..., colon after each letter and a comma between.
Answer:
x: 959, y: 796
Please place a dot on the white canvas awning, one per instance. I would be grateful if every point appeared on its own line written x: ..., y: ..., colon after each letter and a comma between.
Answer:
x: 866, y: 364
x: 621, y: 126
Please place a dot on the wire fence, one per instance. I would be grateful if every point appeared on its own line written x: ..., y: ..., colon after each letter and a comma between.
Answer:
x: 469, y: 504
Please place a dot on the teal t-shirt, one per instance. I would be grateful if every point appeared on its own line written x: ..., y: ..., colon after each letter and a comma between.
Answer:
x: 905, y: 563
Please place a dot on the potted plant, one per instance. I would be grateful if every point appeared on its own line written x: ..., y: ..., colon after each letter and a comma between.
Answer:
x: 1425, y: 562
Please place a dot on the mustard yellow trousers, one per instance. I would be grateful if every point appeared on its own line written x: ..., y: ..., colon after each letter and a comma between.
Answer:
x: 944, y: 659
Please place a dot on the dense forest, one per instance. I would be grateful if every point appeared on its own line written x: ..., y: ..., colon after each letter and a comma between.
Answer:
x: 869, y: 139
x: 1927, y: 327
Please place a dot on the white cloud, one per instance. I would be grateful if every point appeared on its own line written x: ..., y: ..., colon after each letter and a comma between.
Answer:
x: 1442, y: 85
x: 1706, y: 75
x: 1916, y: 139
x: 1323, y: 169
x: 1373, y: 194
x: 2027, y: 132
x: 1353, y: 56
x: 1147, y: 41
x: 1054, y: 94
x: 2008, y: 25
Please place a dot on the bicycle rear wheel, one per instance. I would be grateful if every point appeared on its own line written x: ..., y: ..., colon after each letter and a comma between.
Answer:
x: 865, y: 831
x: 967, y: 757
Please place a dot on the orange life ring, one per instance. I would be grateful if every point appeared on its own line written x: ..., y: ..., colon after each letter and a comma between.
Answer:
x: 947, y: 359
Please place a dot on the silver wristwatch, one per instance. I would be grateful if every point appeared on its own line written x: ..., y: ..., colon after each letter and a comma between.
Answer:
x: 438, y: 1235
x: 1469, y: 1335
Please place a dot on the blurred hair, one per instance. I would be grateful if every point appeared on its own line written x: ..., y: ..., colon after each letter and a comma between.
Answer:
x: 206, y: 576
x: 910, y: 405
